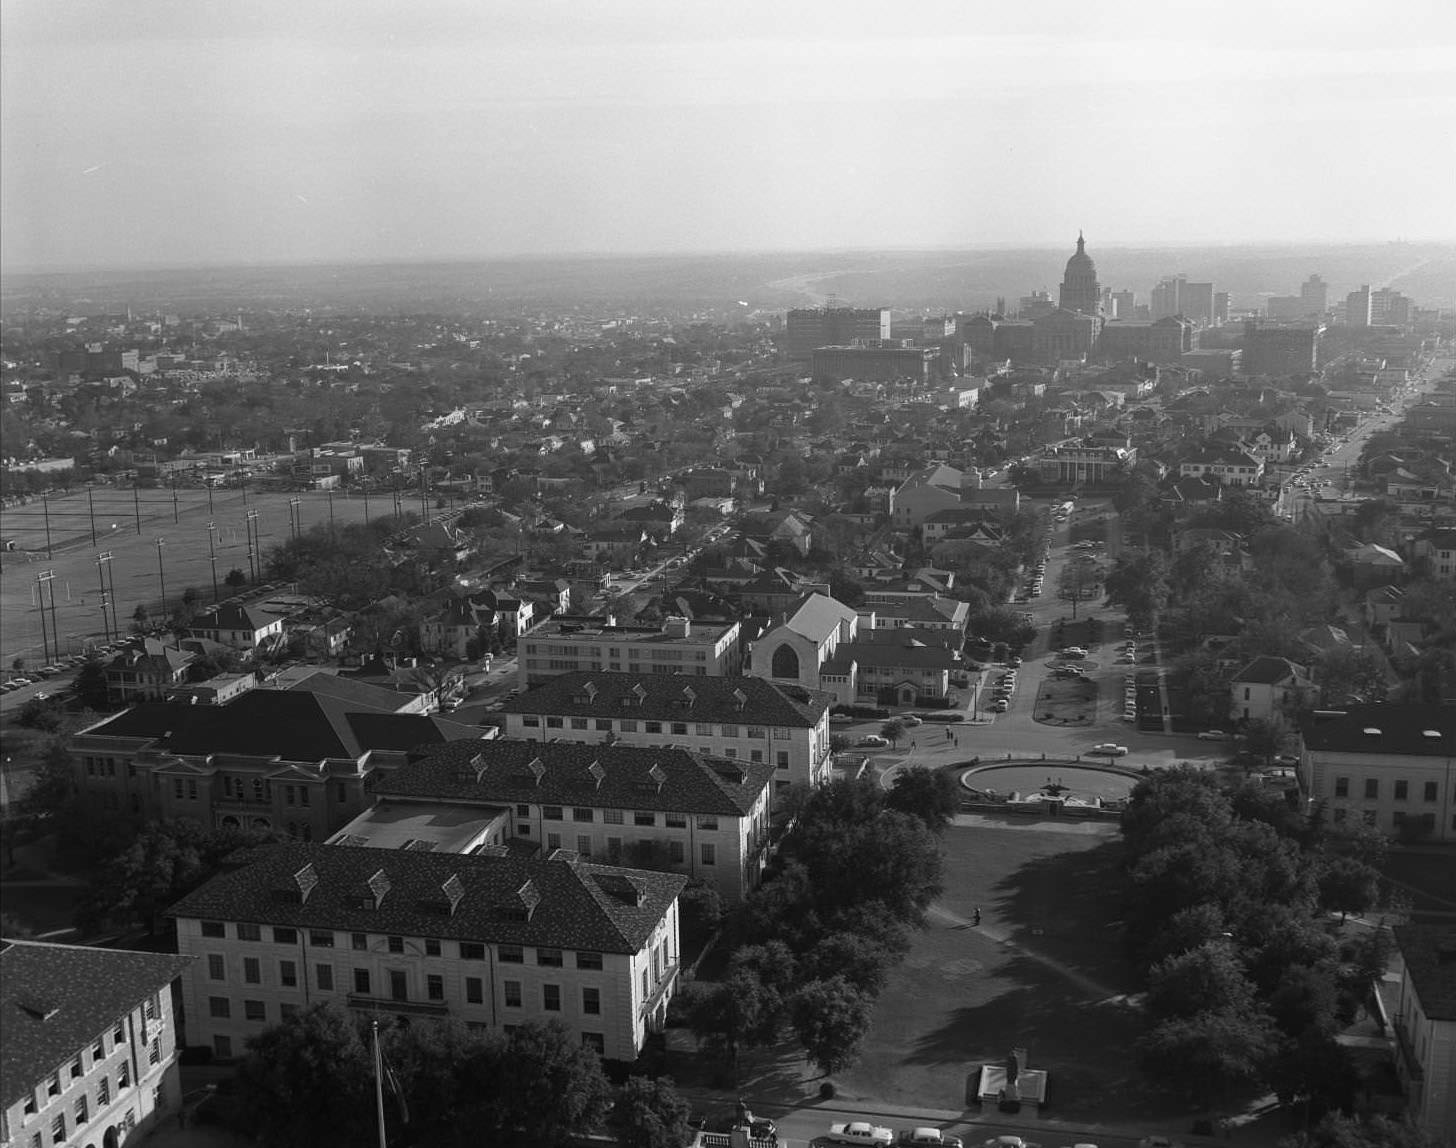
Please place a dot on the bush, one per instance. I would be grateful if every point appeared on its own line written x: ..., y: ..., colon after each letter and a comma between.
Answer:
x: 826, y: 1090
x: 877, y: 712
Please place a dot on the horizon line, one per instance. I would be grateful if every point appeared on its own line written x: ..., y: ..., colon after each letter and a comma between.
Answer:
x: 35, y: 270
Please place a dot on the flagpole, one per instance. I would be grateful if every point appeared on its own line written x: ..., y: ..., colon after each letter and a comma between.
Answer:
x: 379, y: 1085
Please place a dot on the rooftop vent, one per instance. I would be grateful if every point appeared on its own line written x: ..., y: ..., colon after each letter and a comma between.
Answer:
x: 452, y: 892
x: 470, y: 770
x: 371, y: 896
x: 298, y: 889
x: 41, y: 1008
x: 740, y: 697
x: 537, y: 768
x: 597, y: 772
x: 628, y: 890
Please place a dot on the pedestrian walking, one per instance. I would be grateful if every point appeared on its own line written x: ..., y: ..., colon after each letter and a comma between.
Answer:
x: 976, y: 916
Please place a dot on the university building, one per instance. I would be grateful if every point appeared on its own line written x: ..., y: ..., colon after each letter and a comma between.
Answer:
x: 678, y: 646
x: 706, y: 818
x: 744, y: 719
x: 88, y: 1044
x: 491, y: 939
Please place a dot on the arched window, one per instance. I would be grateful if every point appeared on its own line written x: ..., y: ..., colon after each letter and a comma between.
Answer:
x: 785, y: 662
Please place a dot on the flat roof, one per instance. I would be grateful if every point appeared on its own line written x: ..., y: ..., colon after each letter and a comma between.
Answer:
x: 440, y: 828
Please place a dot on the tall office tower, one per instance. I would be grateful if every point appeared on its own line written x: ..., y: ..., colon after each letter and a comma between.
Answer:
x: 1124, y: 304
x: 1220, y: 307
x: 1358, y: 307
x: 1276, y: 349
x: 1167, y: 297
x: 1080, y: 289
x: 1196, y: 301
x: 1315, y: 294
x: 808, y: 328
x: 1389, y: 307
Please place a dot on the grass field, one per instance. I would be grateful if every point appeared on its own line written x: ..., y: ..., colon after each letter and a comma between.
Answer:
x: 134, y: 566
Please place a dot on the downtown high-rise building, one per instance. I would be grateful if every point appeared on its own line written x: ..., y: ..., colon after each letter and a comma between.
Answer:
x: 1314, y: 295
x: 807, y: 329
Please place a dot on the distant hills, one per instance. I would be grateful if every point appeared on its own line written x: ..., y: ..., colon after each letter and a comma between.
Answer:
x: 912, y: 280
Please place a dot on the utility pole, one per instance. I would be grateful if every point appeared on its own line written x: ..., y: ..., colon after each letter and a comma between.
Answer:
x: 91, y: 507
x: 136, y: 501
x: 42, y: 580
x: 294, y: 515
x: 253, y: 556
x: 162, y: 575
x: 45, y: 506
x: 107, y: 578
x: 212, y: 557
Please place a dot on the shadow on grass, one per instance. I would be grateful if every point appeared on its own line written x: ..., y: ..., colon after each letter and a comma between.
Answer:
x: 1068, y: 906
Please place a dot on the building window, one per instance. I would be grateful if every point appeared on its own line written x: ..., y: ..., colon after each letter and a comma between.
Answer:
x: 154, y: 1054
x: 512, y: 955
x: 675, y: 820
x: 707, y: 821
x: 285, y: 936
x: 644, y: 817
x: 612, y: 816
x: 710, y: 853
x: 512, y: 991
x: 1430, y: 791
x: 1401, y: 790
x: 653, y: 727
x: 553, y: 723
x: 581, y: 813
x: 628, y: 725
x: 757, y: 731
x: 214, y: 929
x: 247, y: 932
x: 361, y: 981
x: 783, y: 759
x: 595, y: 1040
x: 359, y: 941
x: 222, y: 1047
x: 549, y: 957
x: 216, y: 967
x: 432, y: 947
x: 675, y: 853
x: 320, y: 939
x: 286, y: 1010
x: 255, y: 1011
x: 755, y: 755
x: 82, y: 1111
x: 583, y: 846
x: 58, y: 1129
x: 435, y: 987
x: 54, y: 1087
x: 103, y: 1092
x: 219, y: 1007
x: 123, y: 1076
x: 288, y: 974
x: 730, y: 731
x: 1372, y: 787
x: 604, y: 725
x: 252, y: 971
x: 578, y: 723
x: 680, y: 728
x: 551, y: 998
x: 591, y: 1001
x: 396, y: 944
x: 531, y: 722
x: 704, y: 729
x: 472, y: 951
x: 474, y: 990
x: 551, y: 812
x: 1342, y: 787
x: 323, y: 976
x: 1368, y: 817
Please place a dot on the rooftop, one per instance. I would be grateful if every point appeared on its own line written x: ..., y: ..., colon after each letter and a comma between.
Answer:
x: 555, y: 902
x: 674, y: 697
x: 1418, y: 730
x: 1430, y: 962
x: 57, y: 999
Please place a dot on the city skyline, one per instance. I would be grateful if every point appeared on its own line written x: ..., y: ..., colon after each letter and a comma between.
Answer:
x: 197, y: 134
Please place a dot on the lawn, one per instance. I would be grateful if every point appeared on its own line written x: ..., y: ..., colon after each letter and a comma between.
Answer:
x: 1044, y: 972
x: 1066, y: 701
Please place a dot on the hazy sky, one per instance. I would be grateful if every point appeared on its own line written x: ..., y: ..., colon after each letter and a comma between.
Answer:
x: 196, y: 131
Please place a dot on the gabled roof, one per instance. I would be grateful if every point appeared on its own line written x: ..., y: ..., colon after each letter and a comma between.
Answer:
x: 1267, y: 670
x: 674, y: 697
x: 818, y: 616
x: 575, y: 773
x: 296, y: 726
x: 357, y: 694
x: 572, y: 904
x: 1430, y: 962
x: 56, y: 1000
x: 234, y: 615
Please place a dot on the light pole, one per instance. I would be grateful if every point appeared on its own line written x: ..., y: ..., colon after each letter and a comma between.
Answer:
x: 294, y: 514
x: 212, y: 557
x: 252, y: 525
x: 107, y: 579
x: 46, y: 578
x: 162, y: 575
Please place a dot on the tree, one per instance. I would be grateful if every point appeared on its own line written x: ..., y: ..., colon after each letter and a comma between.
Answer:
x: 1138, y: 582
x: 737, y: 1013
x: 1204, y: 1056
x: 40, y: 713
x: 1313, y: 1066
x: 893, y: 730
x: 861, y: 961
x: 1339, y: 1131
x: 141, y: 618
x: 235, y: 579
x: 1347, y: 885
x: 549, y: 1085
x: 308, y: 1081
x: 1263, y: 738
x: 90, y: 685
x: 700, y: 906
x: 830, y: 1018
x: 1206, y: 979
x: 650, y: 1114
x: 931, y: 795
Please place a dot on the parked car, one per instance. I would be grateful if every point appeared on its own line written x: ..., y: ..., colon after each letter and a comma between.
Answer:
x: 1213, y: 735
x: 860, y: 1132
x: 1110, y: 749
x: 840, y: 719
x: 1158, y: 1142
x: 873, y: 741
x: 999, y: 706
x: 928, y: 1138
x: 910, y: 720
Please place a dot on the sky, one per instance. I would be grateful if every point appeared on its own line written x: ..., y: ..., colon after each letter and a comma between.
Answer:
x: 187, y: 132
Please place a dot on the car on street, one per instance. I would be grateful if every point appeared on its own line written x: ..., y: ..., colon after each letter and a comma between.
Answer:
x: 1008, y: 1142
x: 860, y: 1132
x: 999, y: 706
x: 1109, y: 749
x: 1158, y: 1142
x: 840, y: 719
x: 1072, y: 652
x: 873, y: 741
x: 1213, y: 735
x: 1288, y: 759
x: 910, y: 720
x: 928, y: 1138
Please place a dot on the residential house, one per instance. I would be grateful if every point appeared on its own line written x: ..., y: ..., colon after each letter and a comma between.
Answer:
x: 1425, y: 1026
x: 1373, y: 564
x: 488, y: 939
x: 661, y: 520
x: 1438, y: 547
x: 1227, y: 466
x: 792, y: 528
x: 455, y: 631
x: 615, y: 542
x: 1387, y: 765
x: 739, y: 718
x: 237, y: 624
x: 146, y: 673
x: 898, y: 667
x: 88, y: 1050
x: 657, y: 806
x: 438, y: 542
x: 1383, y: 605
x: 1270, y: 689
